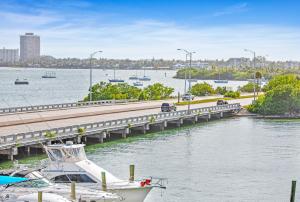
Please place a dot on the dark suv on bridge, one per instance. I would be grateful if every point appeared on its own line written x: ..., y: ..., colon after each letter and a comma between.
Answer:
x: 222, y: 102
x: 168, y: 107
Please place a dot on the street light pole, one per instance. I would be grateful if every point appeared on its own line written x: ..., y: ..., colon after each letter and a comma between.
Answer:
x: 91, y: 73
x: 188, y: 53
x: 254, y: 65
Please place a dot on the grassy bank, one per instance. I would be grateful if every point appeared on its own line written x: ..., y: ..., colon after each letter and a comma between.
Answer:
x: 212, y: 100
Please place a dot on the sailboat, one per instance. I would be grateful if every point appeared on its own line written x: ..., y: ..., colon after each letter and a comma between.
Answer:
x: 219, y: 80
x: 115, y: 80
x: 145, y: 78
x: 134, y: 77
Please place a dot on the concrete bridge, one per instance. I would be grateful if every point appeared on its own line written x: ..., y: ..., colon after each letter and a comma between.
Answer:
x: 22, y: 133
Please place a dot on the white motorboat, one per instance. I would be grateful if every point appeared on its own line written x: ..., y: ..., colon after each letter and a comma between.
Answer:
x: 28, y: 189
x: 68, y: 162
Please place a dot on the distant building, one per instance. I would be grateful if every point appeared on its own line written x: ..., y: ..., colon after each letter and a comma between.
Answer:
x: 238, y: 62
x: 29, y: 48
x: 10, y: 56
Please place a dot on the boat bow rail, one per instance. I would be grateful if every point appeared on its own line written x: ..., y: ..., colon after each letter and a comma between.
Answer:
x: 36, y: 137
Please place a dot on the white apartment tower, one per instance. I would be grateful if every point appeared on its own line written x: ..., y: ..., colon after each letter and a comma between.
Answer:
x: 9, y: 56
x: 29, y: 48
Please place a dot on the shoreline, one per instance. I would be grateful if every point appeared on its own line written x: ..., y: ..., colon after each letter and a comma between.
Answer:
x: 245, y: 113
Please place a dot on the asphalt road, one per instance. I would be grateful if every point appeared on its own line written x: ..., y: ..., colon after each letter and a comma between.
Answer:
x: 26, y: 122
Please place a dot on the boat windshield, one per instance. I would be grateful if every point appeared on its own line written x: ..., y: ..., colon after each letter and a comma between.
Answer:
x: 36, y: 183
x: 66, y: 154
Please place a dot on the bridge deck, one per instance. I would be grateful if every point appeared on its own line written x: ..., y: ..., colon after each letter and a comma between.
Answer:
x: 22, y: 123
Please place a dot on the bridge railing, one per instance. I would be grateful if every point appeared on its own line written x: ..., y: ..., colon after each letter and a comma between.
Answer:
x: 34, y: 108
x: 71, y: 131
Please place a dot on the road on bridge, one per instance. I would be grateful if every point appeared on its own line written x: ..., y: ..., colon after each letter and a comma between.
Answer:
x: 26, y: 122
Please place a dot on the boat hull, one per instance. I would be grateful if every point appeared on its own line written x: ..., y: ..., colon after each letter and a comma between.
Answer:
x: 132, y: 194
x: 221, y: 81
x: 116, y: 80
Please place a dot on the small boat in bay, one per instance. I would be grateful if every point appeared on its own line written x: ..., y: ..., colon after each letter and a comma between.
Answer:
x: 116, y: 80
x: 138, y: 83
x: 145, y: 78
x: 221, y: 81
x: 21, y: 82
x: 133, y: 78
x: 49, y: 75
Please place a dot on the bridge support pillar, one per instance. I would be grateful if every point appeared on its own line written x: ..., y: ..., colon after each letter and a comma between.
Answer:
x: 12, y: 153
x: 28, y: 151
x: 196, y: 119
x: 125, y: 132
x: 100, y: 138
x: 78, y: 139
x: 208, y: 117
x: 165, y: 124
x: 147, y: 126
x: 221, y: 115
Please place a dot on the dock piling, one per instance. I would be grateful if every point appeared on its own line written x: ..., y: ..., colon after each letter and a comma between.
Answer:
x: 293, y: 191
x: 40, y: 196
x: 104, y: 187
x: 73, y: 190
x: 131, y: 173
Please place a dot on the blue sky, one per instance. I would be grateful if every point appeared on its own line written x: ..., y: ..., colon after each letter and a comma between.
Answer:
x: 145, y: 29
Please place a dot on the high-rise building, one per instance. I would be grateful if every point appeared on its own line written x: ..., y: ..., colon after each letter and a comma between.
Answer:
x: 9, y: 56
x: 29, y: 48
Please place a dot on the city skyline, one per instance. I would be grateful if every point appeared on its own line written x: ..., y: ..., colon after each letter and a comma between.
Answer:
x: 143, y: 30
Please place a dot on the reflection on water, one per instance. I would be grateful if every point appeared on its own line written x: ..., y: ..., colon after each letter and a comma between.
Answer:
x: 239, y: 159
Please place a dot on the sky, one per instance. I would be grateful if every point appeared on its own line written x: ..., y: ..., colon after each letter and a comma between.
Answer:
x: 145, y: 29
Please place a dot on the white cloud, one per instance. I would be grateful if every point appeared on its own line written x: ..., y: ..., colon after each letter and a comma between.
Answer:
x: 148, y: 38
x: 237, y: 8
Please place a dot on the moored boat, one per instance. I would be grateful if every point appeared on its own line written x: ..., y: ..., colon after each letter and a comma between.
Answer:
x: 35, y: 182
x: 49, y: 75
x: 221, y: 81
x: 138, y: 83
x: 21, y: 82
x: 74, y: 166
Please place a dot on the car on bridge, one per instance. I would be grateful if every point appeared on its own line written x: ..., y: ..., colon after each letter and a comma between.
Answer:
x: 222, y: 102
x: 168, y: 107
x: 187, y: 96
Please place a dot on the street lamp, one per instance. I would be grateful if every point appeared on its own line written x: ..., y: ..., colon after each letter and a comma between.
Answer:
x: 190, y: 54
x: 254, y: 60
x: 91, y: 72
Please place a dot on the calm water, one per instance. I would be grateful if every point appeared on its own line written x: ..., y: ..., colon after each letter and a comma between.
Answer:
x: 72, y: 85
x: 239, y: 159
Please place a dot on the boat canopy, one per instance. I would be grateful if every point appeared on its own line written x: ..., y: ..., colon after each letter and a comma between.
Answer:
x: 11, y: 180
x: 66, y: 153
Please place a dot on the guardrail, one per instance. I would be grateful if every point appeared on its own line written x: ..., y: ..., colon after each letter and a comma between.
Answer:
x: 71, y: 131
x: 35, y: 108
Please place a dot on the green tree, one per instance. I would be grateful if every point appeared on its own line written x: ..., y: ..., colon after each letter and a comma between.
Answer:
x: 282, y: 80
x: 249, y: 87
x: 232, y: 94
x: 201, y: 89
x: 108, y: 91
x: 221, y: 90
x: 282, y: 97
x: 156, y: 91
